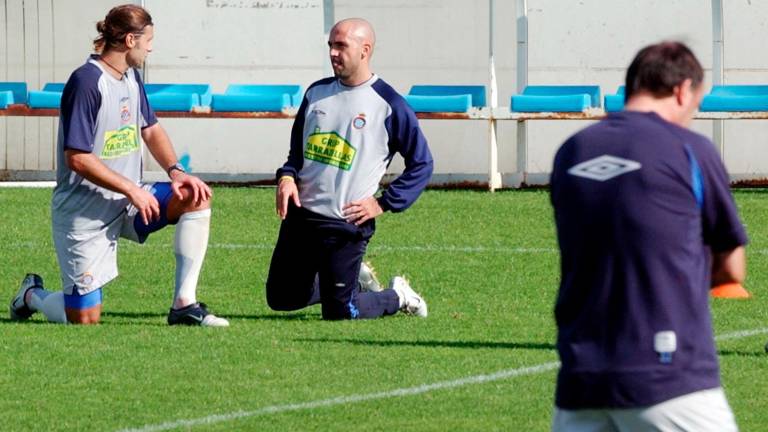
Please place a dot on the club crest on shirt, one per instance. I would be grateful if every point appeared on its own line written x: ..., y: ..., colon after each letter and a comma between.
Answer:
x: 125, y: 110
x: 359, y: 121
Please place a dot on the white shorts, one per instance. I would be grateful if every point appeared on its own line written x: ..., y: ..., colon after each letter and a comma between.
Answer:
x: 88, y: 258
x: 701, y: 411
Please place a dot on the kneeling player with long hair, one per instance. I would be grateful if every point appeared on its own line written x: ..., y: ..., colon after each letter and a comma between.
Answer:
x: 99, y: 196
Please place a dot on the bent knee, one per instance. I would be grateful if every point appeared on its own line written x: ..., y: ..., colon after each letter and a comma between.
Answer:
x: 83, y: 309
x: 84, y: 316
x: 281, y: 299
x: 84, y: 321
x: 187, y: 203
x: 279, y: 303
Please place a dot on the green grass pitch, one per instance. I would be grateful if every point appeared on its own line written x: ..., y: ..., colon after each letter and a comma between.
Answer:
x: 487, y: 265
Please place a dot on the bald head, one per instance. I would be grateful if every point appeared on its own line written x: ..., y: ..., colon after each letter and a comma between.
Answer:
x: 357, y: 28
x: 351, y: 46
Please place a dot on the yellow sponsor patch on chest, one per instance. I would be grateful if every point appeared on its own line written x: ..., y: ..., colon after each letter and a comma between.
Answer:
x: 331, y: 149
x: 121, y: 142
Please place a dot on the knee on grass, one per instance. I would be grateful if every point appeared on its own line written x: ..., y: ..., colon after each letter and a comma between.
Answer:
x: 84, y: 316
x: 83, y: 308
x: 282, y: 303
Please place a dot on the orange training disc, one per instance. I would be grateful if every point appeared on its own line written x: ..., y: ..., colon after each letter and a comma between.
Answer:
x: 730, y: 290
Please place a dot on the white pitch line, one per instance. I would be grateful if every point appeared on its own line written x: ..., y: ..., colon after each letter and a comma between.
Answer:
x: 372, y: 248
x: 481, y: 249
x: 406, y: 248
x: 407, y: 391
x: 741, y: 334
x: 27, y: 184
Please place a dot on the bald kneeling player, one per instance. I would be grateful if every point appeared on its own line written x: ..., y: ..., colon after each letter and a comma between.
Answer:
x: 346, y: 133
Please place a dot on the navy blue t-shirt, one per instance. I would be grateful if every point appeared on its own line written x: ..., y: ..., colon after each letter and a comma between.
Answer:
x: 639, y: 204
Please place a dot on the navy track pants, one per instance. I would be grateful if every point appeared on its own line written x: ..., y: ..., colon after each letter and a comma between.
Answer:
x: 317, y: 259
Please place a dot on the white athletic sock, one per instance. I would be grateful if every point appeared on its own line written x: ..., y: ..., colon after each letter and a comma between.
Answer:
x: 51, y: 304
x: 190, y: 244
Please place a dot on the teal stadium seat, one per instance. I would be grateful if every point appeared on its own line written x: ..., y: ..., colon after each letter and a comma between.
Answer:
x: 445, y: 98
x: 556, y: 98
x: 178, y: 97
x: 258, y: 98
x: 6, y: 98
x: 48, y: 97
x: 736, y: 98
x: 12, y: 93
x: 615, y: 102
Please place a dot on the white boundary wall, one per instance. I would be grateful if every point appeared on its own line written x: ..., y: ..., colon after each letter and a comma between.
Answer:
x: 419, y: 42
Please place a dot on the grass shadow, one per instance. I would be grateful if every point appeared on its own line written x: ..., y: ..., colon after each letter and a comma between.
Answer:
x: 26, y: 322
x: 143, y: 318
x: 268, y: 317
x: 440, y: 344
x: 758, y: 354
x: 481, y: 344
x: 120, y: 314
x: 280, y: 317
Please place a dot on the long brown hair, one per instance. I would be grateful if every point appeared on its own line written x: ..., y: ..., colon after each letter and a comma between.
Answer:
x: 119, y: 22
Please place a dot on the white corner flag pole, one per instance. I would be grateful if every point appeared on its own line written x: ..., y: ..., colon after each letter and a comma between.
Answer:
x: 494, y: 177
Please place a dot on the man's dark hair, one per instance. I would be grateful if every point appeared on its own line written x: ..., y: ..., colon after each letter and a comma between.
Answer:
x: 658, y: 68
x: 119, y: 22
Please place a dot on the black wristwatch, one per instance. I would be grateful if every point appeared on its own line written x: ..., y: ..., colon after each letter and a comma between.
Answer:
x: 176, y: 166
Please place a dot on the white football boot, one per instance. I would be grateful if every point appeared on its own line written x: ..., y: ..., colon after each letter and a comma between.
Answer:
x: 410, y: 302
x: 367, y: 278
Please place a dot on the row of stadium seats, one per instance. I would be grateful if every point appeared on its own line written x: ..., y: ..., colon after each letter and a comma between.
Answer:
x: 422, y: 98
x: 171, y: 97
x: 722, y: 98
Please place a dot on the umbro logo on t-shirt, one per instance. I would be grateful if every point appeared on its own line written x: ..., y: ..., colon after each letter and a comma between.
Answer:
x: 604, y: 168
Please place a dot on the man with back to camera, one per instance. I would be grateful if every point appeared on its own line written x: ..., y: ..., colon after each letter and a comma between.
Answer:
x: 99, y: 196
x: 646, y: 225
x: 346, y: 132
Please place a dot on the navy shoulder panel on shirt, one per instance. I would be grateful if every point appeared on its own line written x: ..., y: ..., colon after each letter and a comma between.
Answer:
x: 83, y: 79
x: 402, y: 120
x: 321, y: 82
x: 393, y: 98
x: 405, y: 137
x: 80, y: 103
x: 296, y: 153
